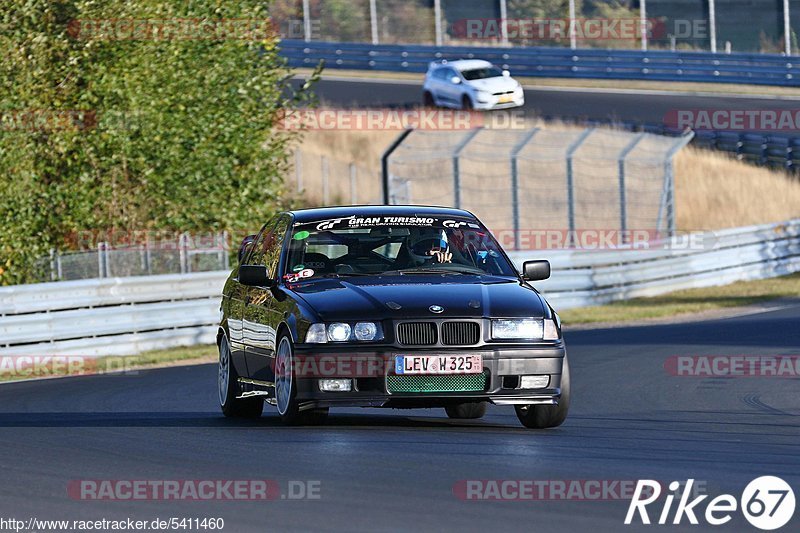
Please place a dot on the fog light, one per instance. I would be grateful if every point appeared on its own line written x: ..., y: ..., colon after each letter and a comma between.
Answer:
x: 335, y: 385
x: 534, y: 382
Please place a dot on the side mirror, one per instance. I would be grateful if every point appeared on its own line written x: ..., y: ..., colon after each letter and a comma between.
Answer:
x: 507, y: 74
x: 246, y: 242
x: 455, y: 79
x: 254, y: 276
x: 535, y: 270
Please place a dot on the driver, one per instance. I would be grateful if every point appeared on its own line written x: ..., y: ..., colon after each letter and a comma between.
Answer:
x: 430, y: 247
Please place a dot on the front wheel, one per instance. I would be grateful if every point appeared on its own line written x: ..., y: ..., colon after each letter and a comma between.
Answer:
x: 466, y: 410
x: 286, y: 389
x: 227, y: 386
x: 427, y: 100
x: 547, y: 416
x: 466, y: 103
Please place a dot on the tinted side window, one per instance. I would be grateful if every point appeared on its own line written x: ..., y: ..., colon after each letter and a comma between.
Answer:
x: 274, y: 245
x: 260, y: 245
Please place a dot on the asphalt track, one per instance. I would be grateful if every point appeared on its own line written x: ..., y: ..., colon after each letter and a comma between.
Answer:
x: 640, y: 106
x: 395, y: 470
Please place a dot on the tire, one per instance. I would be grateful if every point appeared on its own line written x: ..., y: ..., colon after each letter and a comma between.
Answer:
x: 228, y: 388
x: 286, y: 389
x: 427, y: 100
x: 466, y: 103
x: 547, y: 416
x: 466, y: 410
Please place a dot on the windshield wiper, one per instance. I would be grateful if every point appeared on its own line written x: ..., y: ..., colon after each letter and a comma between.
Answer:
x: 346, y: 274
x: 458, y: 271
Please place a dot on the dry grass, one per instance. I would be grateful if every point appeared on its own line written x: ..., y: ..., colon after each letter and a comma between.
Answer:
x: 713, y: 190
x: 686, y: 302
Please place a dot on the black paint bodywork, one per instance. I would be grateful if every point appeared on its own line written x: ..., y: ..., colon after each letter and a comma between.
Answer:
x: 253, y: 318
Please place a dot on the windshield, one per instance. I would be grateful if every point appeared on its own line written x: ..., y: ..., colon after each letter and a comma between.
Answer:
x: 481, y: 73
x: 392, y: 245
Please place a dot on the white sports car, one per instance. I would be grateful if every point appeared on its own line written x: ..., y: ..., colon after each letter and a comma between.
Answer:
x: 470, y: 84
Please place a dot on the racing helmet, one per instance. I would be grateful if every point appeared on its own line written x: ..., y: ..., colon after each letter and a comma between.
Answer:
x: 423, y: 242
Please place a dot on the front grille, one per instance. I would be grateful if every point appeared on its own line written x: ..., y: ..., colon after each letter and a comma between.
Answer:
x: 416, y: 333
x: 460, y: 333
x: 438, y: 383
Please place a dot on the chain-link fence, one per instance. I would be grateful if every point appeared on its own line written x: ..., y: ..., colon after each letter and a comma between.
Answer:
x: 517, y: 181
x: 322, y: 180
x: 186, y: 253
x: 730, y: 25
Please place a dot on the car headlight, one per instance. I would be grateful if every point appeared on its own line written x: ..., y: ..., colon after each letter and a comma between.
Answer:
x: 365, y: 331
x: 517, y: 328
x: 342, y: 331
x: 484, y: 96
x: 551, y: 332
x: 316, y: 334
x: 339, y: 332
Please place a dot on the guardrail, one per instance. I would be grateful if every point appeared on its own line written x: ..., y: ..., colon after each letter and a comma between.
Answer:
x: 660, y: 65
x: 119, y: 316
x: 584, y: 278
x: 110, y: 316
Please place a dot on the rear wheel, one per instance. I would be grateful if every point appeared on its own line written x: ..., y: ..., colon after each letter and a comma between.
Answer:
x: 466, y: 410
x: 286, y: 389
x: 547, y: 416
x: 228, y: 388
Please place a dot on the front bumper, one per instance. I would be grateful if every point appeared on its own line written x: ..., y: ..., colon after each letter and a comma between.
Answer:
x: 495, y: 103
x: 368, y: 370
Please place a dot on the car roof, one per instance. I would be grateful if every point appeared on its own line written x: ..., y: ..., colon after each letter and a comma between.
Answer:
x: 467, y: 64
x: 321, y: 213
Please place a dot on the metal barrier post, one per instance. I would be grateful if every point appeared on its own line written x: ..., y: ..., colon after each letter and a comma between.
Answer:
x: 456, y: 172
x: 52, y: 264
x: 182, y: 253
x: 325, y: 185
x: 515, y: 184
x: 385, y: 164
x: 306, y: 20
x: 570, y: 185
x: 353, y: 184
x: 668, y: 191
x: 623, y: 204
x: 298, y: 170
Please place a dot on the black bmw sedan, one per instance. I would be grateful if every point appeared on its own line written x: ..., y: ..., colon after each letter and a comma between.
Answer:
x: 387, y: 306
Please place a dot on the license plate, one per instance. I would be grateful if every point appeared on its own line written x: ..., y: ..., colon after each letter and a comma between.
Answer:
x: 504, y: 99
x: 438, y: 364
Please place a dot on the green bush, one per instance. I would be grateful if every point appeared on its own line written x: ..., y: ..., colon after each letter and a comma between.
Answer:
x: 148, y: 132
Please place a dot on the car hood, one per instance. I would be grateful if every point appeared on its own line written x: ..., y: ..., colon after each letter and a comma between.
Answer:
x: 496, y: 84
x: 393, y: 298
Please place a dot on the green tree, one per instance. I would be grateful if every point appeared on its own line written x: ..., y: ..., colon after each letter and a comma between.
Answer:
x: 172, y: 129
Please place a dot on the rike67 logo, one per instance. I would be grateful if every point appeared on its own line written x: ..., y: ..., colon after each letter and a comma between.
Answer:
x: 767, y: 503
